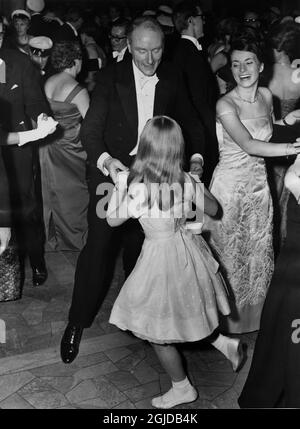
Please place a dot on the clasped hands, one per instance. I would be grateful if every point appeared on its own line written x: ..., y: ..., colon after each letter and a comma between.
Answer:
x: 45, y: 125
x: 114, y: 166
x: 292, y: 117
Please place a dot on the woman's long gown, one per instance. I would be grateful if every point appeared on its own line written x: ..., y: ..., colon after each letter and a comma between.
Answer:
x: 274, y: 376
x: 242, y: 238
x: 63, y: 175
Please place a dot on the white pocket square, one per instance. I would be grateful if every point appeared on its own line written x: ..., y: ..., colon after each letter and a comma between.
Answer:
x: 14, y: 87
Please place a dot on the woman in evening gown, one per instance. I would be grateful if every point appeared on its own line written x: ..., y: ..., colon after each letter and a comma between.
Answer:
x: 63, y: 159
x: 242, y: 238
x: 274, y: 377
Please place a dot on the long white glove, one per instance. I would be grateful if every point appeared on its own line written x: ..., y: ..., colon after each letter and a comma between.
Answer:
x: 45, y: 125
x: 292, y: 179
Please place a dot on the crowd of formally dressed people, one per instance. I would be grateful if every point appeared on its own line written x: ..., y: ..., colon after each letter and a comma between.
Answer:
x: 91, y: 97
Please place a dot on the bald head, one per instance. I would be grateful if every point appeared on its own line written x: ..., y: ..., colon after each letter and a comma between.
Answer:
x: 145, y: 43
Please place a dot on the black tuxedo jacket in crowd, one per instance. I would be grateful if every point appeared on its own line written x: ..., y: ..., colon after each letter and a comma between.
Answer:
x: 202, y: 88
x: 40, y: 27
x: 21, y: 97
x: 65, y: 32
x: 111, y: 123
x: 4, y: 195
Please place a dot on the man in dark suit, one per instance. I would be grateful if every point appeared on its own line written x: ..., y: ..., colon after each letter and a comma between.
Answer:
x: 127, y: 95
x: 198, y: 76
x: 38, y: 26
x: 118, y: 39
x: 22, y: 100
x: 70, y: 29
x: 4, y: 208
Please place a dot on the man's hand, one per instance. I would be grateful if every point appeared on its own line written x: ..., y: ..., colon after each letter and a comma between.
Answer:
x: 5, y: 234
x: 196, y: 167
x: 113, y: 167
x: 292, y: 117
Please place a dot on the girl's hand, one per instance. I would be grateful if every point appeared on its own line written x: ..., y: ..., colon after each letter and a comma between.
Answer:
x: 292, y: 117
x: 296, y: 146
x: 196, y: 167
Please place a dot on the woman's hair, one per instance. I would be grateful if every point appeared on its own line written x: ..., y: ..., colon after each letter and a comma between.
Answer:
x: 286, y: 37
x: 250, y: 40
x: 160, y: 155
x: 89, y: 27
x: 226, y: 26
x: 64, y: 54
x: 22, y: 18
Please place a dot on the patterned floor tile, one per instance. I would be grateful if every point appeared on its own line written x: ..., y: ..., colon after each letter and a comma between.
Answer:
x: 15, y: 402
x: 123, y: 380
x: 220, y: 379
x: 82, y: 392
x: 117, y: 354
x: 108, y: 392
x: 11, y: 383
x: 95, y: 403
x: 145, y: 373
x: 148, y: 390
x: 37, y: 385
x: 95, y: 371
x: 228, y: 400
x: 61, y: 384
x: 46, y: 399
x: 127, y: 405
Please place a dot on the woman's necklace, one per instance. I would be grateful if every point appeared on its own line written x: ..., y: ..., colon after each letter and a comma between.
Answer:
x: 247, y: 101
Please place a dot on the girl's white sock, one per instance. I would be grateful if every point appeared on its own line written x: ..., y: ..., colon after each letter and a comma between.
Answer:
x: 181, y: 392
x: 220, y: 343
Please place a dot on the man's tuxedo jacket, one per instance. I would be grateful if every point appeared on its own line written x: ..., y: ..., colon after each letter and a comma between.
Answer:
x: 4, y: 196
x: 111, y: 123
x: 21, y: 97
x: 203, y: 92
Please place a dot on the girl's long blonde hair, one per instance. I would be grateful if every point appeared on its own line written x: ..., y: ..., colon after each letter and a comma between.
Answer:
x: 160, y: 156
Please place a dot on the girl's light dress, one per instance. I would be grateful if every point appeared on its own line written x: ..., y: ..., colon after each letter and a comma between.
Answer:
x: 175, y: 290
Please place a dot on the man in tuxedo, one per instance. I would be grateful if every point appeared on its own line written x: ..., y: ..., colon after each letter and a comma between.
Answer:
x: 21, y: 101
x: 198, y: 76
x: 127, y: 95
x: 70, y: 29
x: 38, y: 26
x: 118, y: 39
x: 4, y: 208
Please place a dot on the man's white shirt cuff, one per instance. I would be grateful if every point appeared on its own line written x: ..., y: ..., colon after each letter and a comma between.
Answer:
x: 100, y: 163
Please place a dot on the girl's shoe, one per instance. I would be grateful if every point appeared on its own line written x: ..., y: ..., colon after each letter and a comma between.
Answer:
x: 235, y: 353
x: 175, y: 397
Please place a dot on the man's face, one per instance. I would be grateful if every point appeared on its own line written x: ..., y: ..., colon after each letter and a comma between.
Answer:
x: 198, y: 24
x: 1, y: 34
x: 21, y: 26
x: 118, y: 38
x: 146, y: 47
x: 252, y: 20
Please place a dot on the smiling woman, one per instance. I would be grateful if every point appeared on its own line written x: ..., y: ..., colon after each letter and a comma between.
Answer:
x: 242, y: 238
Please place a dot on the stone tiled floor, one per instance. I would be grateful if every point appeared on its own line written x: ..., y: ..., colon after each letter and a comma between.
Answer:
x: 113, y: 368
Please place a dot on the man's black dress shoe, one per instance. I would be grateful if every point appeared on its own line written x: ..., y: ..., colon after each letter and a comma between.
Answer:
x: 39, y: 275
x: 70, y: 342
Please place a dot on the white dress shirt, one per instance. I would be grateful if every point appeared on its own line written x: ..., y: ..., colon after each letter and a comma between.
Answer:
x: 194, y: 40
x: 145, y: 92
x: 119, y: 55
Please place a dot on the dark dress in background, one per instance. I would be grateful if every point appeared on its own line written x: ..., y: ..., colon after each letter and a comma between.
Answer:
x: 63, y: 173
x: 274, y: 377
